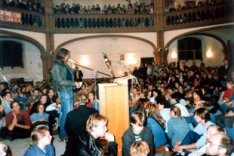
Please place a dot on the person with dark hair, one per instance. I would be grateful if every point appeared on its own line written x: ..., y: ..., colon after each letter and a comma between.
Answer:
x: 137, y: 132
x: 197, y: 138
x: 40, y: 117
x: 41, y: 142
x: 63, y: 83
x: 89, y: 143
x: 18, y: 122
x: 6, y: 101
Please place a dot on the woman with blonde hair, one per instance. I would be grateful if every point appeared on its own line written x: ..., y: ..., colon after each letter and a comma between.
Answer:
x: 177, y: 126
x: 139, y: 148
x: 89, y: 143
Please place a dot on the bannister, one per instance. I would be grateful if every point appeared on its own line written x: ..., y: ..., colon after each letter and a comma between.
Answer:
x: 104, y: 23
x: 199, y: 16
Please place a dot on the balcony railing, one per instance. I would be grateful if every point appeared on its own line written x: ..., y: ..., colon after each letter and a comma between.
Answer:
x: 199, y: 16
x: 104, y: 23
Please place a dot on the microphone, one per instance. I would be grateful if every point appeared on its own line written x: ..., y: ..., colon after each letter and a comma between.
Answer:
x: 72, y: 61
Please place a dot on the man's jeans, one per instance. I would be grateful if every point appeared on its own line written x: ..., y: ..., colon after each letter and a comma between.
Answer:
x: 66, y: 106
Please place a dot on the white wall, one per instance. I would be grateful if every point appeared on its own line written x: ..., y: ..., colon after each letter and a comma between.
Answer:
x: 208, y: 44
x: 89, y: 53
x: 32, y: 69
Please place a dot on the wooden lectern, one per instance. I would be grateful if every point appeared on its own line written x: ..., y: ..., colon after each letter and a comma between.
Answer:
x: 114, y: 105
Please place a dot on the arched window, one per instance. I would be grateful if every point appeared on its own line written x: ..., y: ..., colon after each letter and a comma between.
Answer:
x: 11, y: 54
x: 190, y: 48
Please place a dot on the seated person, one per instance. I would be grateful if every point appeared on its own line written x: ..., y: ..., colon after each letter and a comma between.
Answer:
x: 18, y: 122
x: 139, y: 148
x: 158, y: 131
x: 41, y: 140
x: 177, y: 126
x: 137, y: 132
x: 88, y: 142
x: 5, y: 150
x: 219, y: 144
x: 197, y: 138
x: 212, y: 130
x: 39, y: 117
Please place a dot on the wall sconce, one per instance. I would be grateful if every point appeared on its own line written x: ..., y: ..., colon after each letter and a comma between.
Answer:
x: 84, y: 60
x: 173, y: 54
x: 131, y: 59
x: 209, y: 54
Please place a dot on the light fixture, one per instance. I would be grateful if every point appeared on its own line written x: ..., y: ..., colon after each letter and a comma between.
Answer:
x: 209, y: 54
x: 131, y: 59
x: 173, y: 54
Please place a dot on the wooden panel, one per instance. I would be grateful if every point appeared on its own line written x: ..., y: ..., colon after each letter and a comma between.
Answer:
x: 114, y: 105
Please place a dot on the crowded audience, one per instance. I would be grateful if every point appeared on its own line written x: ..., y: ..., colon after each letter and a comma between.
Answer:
x: 31, y: 5
x: 172, y: 109
x: 76, y: 8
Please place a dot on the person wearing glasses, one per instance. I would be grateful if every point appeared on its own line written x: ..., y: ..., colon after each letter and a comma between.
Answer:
x: 220, y: 144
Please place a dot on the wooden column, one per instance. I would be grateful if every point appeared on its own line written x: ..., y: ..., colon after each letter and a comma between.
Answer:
x: 49, y: 28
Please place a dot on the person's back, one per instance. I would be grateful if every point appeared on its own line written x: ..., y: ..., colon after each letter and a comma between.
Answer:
x: 177, y: 129
x: 158, y: 132
x: 76, y: 123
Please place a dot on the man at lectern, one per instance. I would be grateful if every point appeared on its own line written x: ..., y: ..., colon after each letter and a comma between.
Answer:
x: 63, y: 83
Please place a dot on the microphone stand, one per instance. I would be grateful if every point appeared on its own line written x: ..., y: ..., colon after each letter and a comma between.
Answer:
x: 4, y: 77
x: 95, y: 76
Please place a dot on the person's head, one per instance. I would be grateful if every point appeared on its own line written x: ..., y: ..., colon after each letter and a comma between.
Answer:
x: 139, y: 148
x: 80, y: 99
x: 41, y: 135
x: 40, y: 108
x: 7, y: 96
x: 175, y: 112
x: 63, y: 55
x: 43, y: 99
x: 15, y: 107
x: 213, y: 129
x: 96, y: 125
x: 36, y: 92
x: 219, y: 144
x: 202, y: 115
x: 4, y: 149
x: 229, y: 84
x: 161, y: 101
x: 91, y: 96
x: 51, y: 92
x: 137, y: 121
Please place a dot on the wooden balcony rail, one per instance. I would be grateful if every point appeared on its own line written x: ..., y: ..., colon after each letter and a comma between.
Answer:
x: 105, y: 22
x: 199, y: 16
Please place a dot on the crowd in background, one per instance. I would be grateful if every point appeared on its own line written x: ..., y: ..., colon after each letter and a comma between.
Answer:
x: 173, y: 5
x: 136, y: 8
x: 31, y: 5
